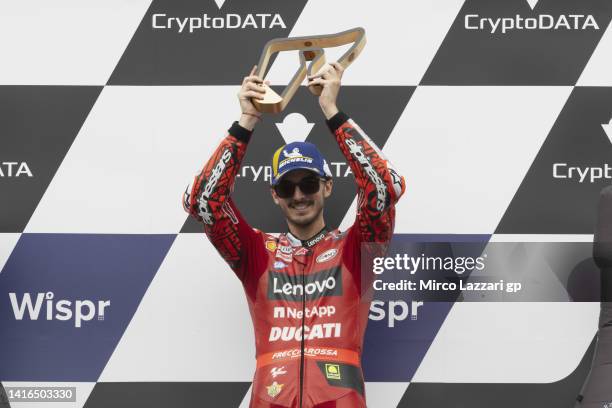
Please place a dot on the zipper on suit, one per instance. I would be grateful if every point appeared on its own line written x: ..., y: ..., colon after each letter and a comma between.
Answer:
x: 302, y: 345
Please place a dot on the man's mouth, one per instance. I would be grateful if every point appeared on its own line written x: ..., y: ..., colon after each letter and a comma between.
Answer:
x: 300, y: 206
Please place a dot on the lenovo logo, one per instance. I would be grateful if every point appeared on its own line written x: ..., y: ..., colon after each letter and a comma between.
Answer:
x: 282, y: 286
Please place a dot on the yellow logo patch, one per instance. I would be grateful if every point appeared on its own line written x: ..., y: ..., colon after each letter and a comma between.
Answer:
x: 274, y: 389
x: 271, y: 246
x: 332, y: 371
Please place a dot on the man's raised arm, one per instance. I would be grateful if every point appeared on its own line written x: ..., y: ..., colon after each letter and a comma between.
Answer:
x: 379, y: 186
x: 207, y: 198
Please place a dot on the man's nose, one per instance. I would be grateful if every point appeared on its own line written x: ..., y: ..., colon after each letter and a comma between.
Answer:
x: 298, y: 194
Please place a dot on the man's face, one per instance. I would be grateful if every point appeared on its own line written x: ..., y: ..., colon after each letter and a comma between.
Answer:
x: 302, y: 209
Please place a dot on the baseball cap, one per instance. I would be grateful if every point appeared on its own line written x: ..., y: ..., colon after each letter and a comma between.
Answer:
x: 298, y: 155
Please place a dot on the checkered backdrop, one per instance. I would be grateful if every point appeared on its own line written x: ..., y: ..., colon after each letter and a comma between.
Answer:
x: 108, y: 108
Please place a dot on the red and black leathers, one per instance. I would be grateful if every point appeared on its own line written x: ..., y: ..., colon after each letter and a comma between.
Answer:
x: 308, y: 302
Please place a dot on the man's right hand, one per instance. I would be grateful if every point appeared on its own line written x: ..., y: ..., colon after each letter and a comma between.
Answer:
x: 252, y: 87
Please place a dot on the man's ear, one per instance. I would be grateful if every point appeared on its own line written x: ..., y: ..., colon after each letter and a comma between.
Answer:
x: 274, y: 196
x: 327, y: 187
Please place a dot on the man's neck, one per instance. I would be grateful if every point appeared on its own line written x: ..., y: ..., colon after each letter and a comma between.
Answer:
x: 304, y: 232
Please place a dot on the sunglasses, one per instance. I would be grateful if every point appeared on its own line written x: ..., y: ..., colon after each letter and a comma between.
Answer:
x: 307, y: 185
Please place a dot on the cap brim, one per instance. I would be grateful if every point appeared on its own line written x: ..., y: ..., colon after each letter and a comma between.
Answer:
x: 281, y: 175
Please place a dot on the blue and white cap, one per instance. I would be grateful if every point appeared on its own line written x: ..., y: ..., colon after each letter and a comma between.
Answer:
x: 298, y: 155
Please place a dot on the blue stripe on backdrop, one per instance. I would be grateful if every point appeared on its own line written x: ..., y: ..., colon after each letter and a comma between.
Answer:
x: 57, y: 324
x: 394, y: 354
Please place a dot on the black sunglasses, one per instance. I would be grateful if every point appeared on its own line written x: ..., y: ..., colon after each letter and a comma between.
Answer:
x: 308, y: 185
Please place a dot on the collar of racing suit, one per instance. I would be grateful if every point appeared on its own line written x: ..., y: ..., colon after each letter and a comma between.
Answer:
x: 307, y: 243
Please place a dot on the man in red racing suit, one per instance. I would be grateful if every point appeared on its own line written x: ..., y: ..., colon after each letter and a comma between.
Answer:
x: 308, y: 302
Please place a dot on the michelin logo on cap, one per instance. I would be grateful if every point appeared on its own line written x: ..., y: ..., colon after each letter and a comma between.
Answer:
x: 298, y: 155
x: 293, y: 157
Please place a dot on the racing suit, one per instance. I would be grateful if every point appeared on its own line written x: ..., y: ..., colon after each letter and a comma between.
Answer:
x: 309, y: 301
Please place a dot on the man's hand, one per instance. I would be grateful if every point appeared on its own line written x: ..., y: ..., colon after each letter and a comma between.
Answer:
x: 252, y: 87
x: 328, y: 77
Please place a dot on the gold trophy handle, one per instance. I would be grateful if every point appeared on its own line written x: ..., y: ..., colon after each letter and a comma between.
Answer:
x: 317, y: 63
x: 311, y: 49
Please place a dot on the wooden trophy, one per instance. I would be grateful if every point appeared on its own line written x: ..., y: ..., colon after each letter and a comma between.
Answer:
x: 310, y: 49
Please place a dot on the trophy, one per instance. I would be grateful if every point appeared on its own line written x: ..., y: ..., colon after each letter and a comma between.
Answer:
x: 311, y: 49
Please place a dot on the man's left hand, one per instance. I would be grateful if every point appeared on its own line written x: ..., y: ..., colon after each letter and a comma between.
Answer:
x: 328, y: 77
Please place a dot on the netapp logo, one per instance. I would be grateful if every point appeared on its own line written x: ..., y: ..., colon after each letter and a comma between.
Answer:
x: 161, y: 21
x: 15, y: 169
x: 282, y: 286
x: 540, y: 22
x: 82, y: 311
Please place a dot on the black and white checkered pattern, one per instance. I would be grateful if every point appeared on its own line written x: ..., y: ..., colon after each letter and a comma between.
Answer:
x: 114, y: 116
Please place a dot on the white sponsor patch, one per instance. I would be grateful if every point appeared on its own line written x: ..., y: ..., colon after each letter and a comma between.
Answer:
x: 276, y: 371
x: 327, y: 255
x: 285, y: 249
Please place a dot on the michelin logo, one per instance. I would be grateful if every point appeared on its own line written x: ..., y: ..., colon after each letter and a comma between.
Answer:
x: 294, y: 156
x: 78, y: 311
x: 294, y: 153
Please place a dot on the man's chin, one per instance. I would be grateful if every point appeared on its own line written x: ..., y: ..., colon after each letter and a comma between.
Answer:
x: 304, y: 219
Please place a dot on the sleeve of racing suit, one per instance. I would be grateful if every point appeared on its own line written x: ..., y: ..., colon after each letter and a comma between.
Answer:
x: 379, y: 186
x: 208, y: 200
